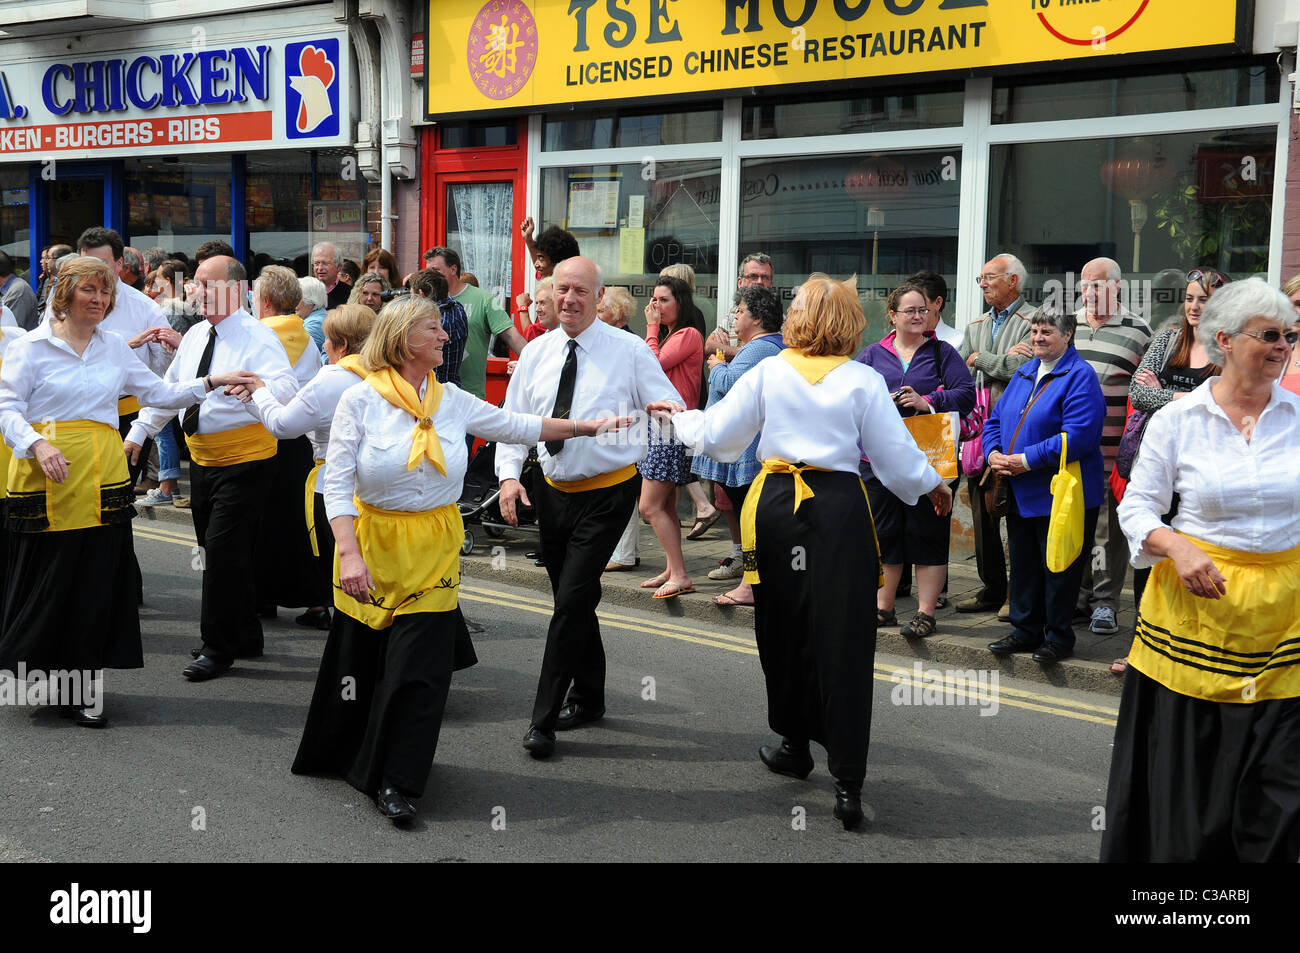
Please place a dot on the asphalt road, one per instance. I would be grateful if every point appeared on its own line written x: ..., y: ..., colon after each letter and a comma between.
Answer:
x: 200, y: 772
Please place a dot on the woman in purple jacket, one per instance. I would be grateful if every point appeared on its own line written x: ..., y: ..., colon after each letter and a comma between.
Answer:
x: 1055, y: 393
x: 924, y: 376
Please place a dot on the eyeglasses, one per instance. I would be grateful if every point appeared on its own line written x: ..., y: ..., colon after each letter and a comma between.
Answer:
x: 913, y: 312
x: 980, y: 279
x: 1210, y: 279
x: 1273, y: 335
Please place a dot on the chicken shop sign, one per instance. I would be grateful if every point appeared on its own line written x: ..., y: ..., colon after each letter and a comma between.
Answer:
x: 273, y: 94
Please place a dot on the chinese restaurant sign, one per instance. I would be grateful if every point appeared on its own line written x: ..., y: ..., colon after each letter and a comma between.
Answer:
x: 523, y: 54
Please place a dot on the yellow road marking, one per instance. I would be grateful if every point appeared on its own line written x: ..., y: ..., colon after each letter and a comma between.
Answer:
x: 894, y: 674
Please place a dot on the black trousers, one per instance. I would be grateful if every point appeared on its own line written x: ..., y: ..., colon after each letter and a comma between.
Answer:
x: 990, y: 561
x: 1042, y: 602
x: 579, y: 532
x: 227, y: 506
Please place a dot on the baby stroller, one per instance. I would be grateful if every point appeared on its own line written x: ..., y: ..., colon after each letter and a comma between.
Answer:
x: 478, y: 500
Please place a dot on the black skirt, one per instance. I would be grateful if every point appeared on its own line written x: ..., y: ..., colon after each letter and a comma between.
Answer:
x: 1195, y: 780
x: 814, y: 614
x: 377, y: 709
x: 71, y: 600
x: 287, y: 572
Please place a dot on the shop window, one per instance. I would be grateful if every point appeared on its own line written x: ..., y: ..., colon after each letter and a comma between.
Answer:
x: 177, y: 202
x: 1019, y: 100
x: 612, y: 129
x: 1159, y: 205
x: 633, y: 224
x: 15, y: 239
x: 790, y: 118
x: 882, y: 216
x: 293, y: 200
x: 477, y: 135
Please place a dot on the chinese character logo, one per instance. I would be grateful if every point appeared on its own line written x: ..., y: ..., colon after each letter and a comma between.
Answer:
x: 312, y: 96
x: 502, y: 48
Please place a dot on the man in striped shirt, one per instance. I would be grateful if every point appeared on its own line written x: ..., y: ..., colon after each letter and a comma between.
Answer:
x: 1113, y: 340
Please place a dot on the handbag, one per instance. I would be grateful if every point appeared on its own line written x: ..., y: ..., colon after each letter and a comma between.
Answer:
x: 936, y: 436
x: 997, y: 493
x: 1065, y: 525
x: 972, y: 429
x: 1135, y: 426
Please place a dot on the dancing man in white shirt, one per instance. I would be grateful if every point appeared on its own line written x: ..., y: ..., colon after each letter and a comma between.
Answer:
x: 589, y: 371
x: 231, y: 460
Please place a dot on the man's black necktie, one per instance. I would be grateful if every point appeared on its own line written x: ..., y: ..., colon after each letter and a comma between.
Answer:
x: 564, y: 394
x: 190, y: 422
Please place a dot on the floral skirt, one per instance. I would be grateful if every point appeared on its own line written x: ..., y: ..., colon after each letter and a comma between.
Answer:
x: 666, y: 461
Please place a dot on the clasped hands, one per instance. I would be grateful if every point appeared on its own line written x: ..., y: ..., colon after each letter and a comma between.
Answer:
x: 169, y: 338
x: 1007, y: 465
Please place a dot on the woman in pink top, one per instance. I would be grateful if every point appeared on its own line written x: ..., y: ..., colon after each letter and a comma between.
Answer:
x: 1291, y: 376
x: 675, y: 333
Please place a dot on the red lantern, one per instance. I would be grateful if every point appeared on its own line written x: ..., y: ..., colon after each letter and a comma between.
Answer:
x: 872, y: 182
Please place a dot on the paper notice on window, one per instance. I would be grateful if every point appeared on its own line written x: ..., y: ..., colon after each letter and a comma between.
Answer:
x: 631, y: 251
x: 635, y: 211
x: 593, y: 204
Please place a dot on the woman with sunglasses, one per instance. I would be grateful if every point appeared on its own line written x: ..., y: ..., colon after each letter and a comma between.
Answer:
x: 924, y: 376
x: 1291, y: 376
x: 1208, y: 736
x: 1176, y: 364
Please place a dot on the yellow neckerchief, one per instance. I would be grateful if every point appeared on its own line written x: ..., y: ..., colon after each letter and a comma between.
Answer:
x: 397, y: 391
x: 812, y: 369
x: 288, y: 328
x: 352, y: 362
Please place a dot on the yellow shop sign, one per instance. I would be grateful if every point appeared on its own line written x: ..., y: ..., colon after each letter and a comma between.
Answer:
x: 523, y: 54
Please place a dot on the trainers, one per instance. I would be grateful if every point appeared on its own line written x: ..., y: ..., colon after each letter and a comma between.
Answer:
x: 733, y: 567
x: 1103, y: 621
x: 155, y: 497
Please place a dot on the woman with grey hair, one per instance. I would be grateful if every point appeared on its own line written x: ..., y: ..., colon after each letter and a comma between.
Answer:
x: 312, y: 309
x: 1208, y: 735
x: 1053, y: 397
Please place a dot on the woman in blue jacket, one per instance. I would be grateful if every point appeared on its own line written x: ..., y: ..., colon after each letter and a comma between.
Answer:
x: 1055, y: 393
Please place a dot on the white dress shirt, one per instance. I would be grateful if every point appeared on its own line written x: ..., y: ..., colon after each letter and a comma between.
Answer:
x: 948, y: 334
x: 43, y: 379
x: 7, y: 319
x: 831, y: 425
x: 1234, y: 494
x: 617, y: 376
x: 310, y: 412
x: 243, y: 344
x: 370, y: 444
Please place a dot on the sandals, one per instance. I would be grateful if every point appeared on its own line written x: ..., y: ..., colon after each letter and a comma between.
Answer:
x: 702, y: 526
x: 656, y: 582
x: 727, y: 599
x: 1120, y: 665
x: 671, y: 590
x: 922, y: 625
x: 886, y: 618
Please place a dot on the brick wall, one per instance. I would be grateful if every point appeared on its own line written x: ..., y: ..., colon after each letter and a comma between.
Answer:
x: 1291, y: 228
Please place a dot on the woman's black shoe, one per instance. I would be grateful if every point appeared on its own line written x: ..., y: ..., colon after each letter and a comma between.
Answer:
x: 791, y: 759
x: 394, y: 805
x: 848, y: 803
x: 315, y: 619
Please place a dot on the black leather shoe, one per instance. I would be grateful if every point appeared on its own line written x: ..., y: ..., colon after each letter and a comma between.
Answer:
x: 394, y: 805
x: 195, y: 653
x: 538, y: 743
x: 535, y: 554
x: 791, y: 760
x: 315, y: 619
x: 83, y: 716
x: 574, y: 715
x: 204, y: 668
x: 848, y: 803
x: 1052, y: 652
x: 1011, y: 645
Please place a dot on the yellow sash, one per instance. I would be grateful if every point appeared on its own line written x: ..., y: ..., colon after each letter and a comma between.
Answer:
x: 413, y: 558
x: 97, y: 491
x: 598, y: 482
x: 1242, y: 648
x: 802, y: 491
x: 128, y: 405
x: 352, y: 363
x: 397, y: 391
x: 225, y: 449
x: 288, y: 328
x: 6, y: 454
x: 812, y: 369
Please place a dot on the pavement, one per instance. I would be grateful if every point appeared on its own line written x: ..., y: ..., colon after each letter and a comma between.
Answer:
x: 960, y: 640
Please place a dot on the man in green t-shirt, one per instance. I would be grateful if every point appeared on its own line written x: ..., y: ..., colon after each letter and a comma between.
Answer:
x: 486, y: 318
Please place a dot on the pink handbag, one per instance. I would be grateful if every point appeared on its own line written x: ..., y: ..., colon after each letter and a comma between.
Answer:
x: 972, y: 429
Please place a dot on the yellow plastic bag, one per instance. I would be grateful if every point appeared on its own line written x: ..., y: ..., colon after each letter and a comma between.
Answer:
x: 936, y: 435
x: 1065, y: 528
